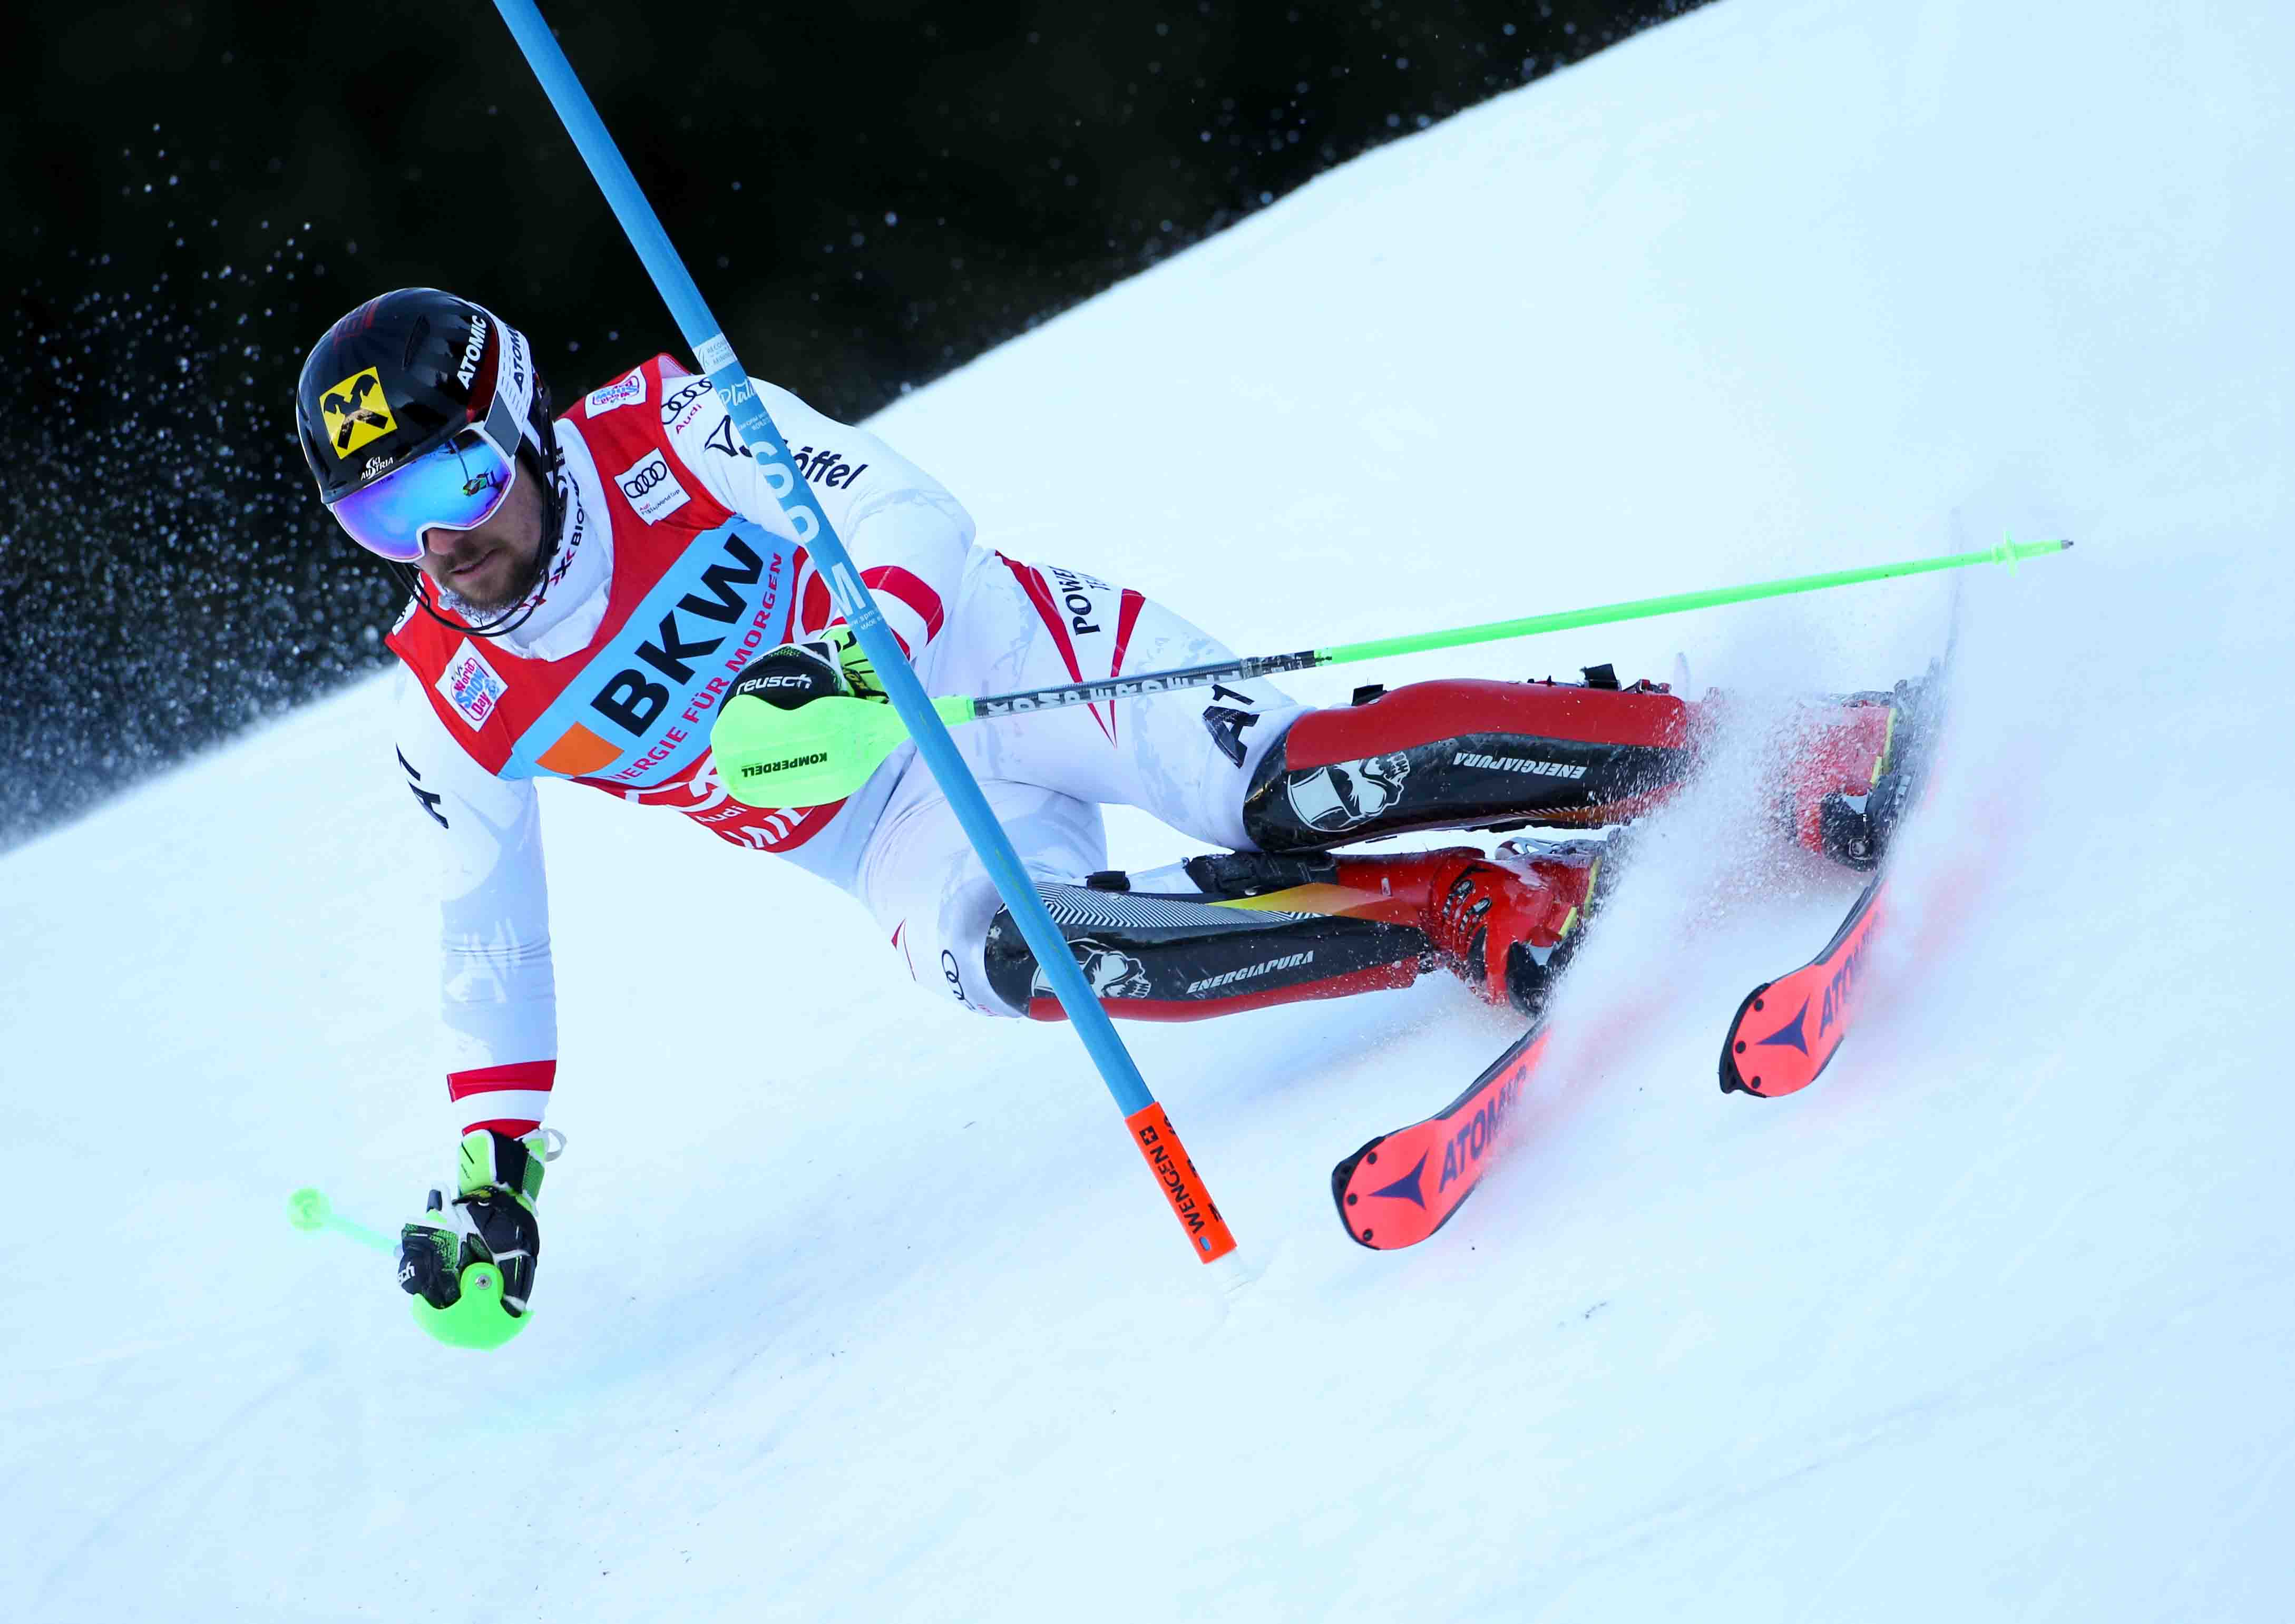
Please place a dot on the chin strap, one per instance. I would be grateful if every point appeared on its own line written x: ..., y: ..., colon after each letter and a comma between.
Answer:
x: 543, y: 456
x: 555, y: 485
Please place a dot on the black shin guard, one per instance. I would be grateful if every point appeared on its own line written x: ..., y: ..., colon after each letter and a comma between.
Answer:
x: 1253, y: 930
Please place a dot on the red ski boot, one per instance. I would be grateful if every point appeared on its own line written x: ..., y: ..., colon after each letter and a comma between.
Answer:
x: 1851, y: 778
x: 1840, y: 755
x: 1508, y: 923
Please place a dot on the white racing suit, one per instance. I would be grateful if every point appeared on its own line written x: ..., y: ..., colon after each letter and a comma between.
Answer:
x: 675, y: 567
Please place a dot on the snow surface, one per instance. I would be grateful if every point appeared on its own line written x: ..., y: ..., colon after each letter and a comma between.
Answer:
x: 858, y: 1308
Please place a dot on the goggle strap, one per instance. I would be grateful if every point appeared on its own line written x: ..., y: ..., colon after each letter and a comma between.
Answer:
x: 501, y: 425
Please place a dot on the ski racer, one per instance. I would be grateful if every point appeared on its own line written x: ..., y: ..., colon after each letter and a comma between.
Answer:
x: 585, y: 590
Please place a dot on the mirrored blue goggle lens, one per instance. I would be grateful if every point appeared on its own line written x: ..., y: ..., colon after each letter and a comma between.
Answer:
x: 457, y: 485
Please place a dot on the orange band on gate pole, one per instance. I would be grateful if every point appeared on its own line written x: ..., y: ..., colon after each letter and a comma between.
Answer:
x: 1151, y: 1131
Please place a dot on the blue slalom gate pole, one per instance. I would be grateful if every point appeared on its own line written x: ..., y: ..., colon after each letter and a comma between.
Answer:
x: 1151, y: 1131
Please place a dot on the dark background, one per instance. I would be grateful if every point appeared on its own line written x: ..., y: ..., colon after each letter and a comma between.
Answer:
x: 869, y: 193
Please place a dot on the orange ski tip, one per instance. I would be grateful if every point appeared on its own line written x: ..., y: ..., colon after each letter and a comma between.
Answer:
x: 1183, y: 1186
x: 1402, y: 1186
x: 1786, y: 1029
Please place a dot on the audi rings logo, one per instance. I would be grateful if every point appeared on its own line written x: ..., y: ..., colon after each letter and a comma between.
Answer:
x: 652, y: 489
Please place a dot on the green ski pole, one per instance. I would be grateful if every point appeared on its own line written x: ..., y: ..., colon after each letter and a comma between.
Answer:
x: 825, y: 750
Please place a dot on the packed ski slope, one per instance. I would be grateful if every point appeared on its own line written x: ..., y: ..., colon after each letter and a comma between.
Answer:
x: 856, y: 1308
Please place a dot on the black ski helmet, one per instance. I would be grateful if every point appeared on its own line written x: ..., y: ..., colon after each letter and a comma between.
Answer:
x: 405, y: 373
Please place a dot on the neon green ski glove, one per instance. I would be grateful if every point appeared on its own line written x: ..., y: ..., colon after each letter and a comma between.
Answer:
x: 471, y: 1263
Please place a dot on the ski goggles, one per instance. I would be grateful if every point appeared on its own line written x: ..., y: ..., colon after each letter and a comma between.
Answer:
x: 452, y: 487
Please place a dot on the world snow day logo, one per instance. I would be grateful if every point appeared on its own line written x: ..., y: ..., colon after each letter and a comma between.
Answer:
x: 629, y: 391
x: 471, y: 686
